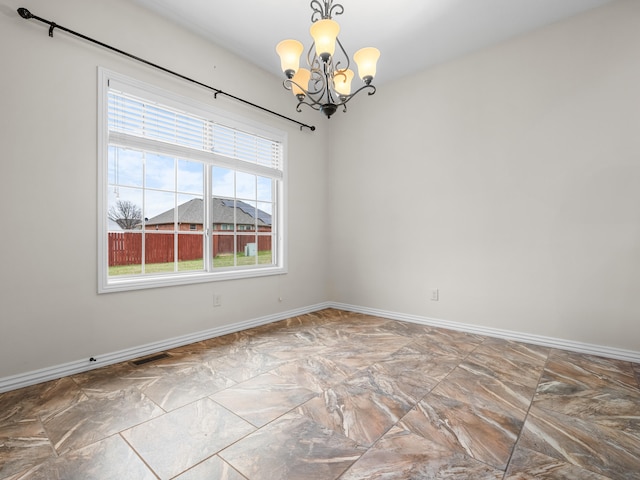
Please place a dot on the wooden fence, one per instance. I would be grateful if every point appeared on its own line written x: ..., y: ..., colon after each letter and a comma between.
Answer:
x: 125, y: 248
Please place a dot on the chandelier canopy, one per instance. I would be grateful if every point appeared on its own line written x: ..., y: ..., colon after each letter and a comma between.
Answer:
x: 326, y: 84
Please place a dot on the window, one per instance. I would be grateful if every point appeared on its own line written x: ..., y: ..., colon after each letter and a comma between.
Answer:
x: 186, y: 195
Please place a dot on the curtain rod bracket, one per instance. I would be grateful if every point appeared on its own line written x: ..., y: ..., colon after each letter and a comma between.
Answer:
x: 26, y: 14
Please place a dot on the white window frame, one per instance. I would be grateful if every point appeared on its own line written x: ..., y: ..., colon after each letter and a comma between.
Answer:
x: 108, y: 283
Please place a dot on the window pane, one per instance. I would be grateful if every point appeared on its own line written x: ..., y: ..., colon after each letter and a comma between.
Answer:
x: 124, y: 209
x: 265, y: 218
x: 265, y: 189
x: 158, y: 254
x: 190, y: 252
x: 160, y: 172
x: 190, y: 177
x: 159, y: 210
x: 245, y: 215
x: 125, y: 253
x: 222, y: 182
x: 247, y: 250
x: 222, y: 250
x: 125, y: 167
x: 265, y: 253
x: 245, y: 185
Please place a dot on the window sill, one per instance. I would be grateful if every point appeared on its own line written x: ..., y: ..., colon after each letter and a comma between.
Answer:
x: 124, y: 284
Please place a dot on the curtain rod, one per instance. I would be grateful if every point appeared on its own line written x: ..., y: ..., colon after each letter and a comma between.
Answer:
x: 26, y: 14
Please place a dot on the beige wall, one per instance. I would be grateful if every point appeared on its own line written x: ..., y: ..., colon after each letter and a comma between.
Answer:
x: 50, y: 311
x: 508, y: 179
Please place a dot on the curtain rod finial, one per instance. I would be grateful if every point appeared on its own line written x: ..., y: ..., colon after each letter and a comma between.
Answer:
x: 24, y: 13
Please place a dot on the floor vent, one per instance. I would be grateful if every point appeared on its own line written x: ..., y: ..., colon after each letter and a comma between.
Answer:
x: 153, y: 358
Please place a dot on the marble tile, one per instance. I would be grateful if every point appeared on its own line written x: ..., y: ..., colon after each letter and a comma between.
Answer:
x: 402, y: 455
x: 240, y: 364
x: 482, y: 434
x: 180, y: 387
x: 23, y: 445
x: 323, y: 387
x: 518, y: 352
x: 616, y: 407
x: 401, y: 378
x: 365, y: 329
x: 445, y: 342
x: 420, y: 360
x: 315, y: 373
x: 504, y: 369
x: 180, y: 439
x: 355, y: 354
x: 589, y: 370
x: 213, y: 468
x: 111, y: 458
x: 362, y: 408
x: 599, y: 449
x: 263, y: 398
x: 473, y: 384
x: 39, y: 401
x: 406, y: 329
x: 287, y: 346
x: 293, y: 448
x: 98, y: 418
x: 529, y: 465
x: 110, y: 379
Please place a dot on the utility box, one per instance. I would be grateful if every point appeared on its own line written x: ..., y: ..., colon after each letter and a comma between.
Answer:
x: 250, y: 250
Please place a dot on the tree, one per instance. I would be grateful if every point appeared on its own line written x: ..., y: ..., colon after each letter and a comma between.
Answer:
x: 126, y: 214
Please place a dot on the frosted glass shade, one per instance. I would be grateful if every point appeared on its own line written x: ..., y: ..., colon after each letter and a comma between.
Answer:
x: 324, y: 33
x: 342, y: 81
x: 289, y: 51
x: 366, y: 59
x: 301, y: 78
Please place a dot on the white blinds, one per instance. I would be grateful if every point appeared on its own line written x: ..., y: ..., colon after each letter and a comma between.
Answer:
x: 140, y: 118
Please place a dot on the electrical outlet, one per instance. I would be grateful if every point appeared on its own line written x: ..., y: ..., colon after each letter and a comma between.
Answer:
x: 435, y: 295
x: 217, y: 300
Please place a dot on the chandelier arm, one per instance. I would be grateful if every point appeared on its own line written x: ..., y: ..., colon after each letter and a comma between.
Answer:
x: 344, y: 99
x: 319, y: 82
x: 346, y: 55
x: 312, y: 58
x: 315, y: 96
x: 314, y: 105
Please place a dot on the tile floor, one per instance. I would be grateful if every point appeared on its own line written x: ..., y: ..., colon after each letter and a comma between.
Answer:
x: 333, y: 395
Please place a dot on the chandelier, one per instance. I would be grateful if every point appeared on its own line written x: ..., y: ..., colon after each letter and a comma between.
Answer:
x: 326, y: 84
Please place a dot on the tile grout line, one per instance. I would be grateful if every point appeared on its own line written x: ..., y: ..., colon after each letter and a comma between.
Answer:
x: 133, y: 449
x: 524, y: 421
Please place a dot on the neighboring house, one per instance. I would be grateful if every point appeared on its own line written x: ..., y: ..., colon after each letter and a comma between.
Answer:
x: 190, y: 217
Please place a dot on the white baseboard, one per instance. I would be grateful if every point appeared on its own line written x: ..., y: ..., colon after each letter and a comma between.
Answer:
x: 562, y: 344
x: 51, y: 373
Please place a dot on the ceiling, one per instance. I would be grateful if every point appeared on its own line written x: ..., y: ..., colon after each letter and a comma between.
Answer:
x: 412, y: 35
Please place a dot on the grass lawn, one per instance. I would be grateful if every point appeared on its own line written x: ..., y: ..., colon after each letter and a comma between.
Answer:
x: 221, y: 261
